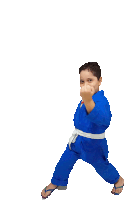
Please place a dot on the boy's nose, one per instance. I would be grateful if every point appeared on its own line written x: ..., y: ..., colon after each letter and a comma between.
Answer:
x: 86, y: 84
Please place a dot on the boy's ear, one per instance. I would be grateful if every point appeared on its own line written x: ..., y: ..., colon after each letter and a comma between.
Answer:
x: 100, y: 80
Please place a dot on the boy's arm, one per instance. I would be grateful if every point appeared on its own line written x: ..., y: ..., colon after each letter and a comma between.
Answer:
x: 89, y: 105
x: 98, y: 113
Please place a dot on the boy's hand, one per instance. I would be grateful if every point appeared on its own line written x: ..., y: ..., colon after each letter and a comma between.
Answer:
x: 86, y: 92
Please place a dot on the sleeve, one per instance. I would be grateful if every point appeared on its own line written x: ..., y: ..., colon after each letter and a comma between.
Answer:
x: 101, y: 114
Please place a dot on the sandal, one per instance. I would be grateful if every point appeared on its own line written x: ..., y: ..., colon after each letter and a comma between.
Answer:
x: 58, y: 187
x: 116, y: 188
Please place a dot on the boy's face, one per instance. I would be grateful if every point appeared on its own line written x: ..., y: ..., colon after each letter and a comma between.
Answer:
x: 86, y: 77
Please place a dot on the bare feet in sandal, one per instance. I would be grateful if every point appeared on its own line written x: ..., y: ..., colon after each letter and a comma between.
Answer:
x: 119, y: 183
x: 50, y: 186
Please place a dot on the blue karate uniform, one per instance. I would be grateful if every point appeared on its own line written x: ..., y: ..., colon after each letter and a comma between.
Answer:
x: 92, y: 151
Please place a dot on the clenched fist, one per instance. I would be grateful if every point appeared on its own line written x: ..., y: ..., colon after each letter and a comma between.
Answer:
x: 86, y: 92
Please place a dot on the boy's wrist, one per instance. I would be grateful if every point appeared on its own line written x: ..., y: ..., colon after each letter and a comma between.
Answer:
x: 89, y: 105
x: 87, y: 101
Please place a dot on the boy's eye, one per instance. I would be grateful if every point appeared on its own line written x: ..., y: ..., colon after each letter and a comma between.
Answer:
x: 89, y: 80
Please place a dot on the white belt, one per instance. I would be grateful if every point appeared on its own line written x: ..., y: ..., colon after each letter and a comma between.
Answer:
x: 77, y: 132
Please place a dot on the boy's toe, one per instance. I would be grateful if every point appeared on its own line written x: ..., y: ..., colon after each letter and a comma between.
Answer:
x: 43, y: 193
x: 113, y: 190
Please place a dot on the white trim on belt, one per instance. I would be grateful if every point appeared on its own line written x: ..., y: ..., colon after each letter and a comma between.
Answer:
x: 77, y: 132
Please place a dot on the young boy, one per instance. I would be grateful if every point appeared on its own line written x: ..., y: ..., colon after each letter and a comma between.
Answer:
x: 88, y: 142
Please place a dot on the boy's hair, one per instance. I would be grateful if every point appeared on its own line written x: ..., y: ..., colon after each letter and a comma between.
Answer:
x: 93, y: 67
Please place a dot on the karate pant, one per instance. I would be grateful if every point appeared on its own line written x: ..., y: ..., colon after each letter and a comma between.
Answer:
x: 92, y: 151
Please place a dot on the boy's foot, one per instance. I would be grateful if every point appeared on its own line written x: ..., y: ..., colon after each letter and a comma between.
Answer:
x: 50, y: 186
x: 119, y: 183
